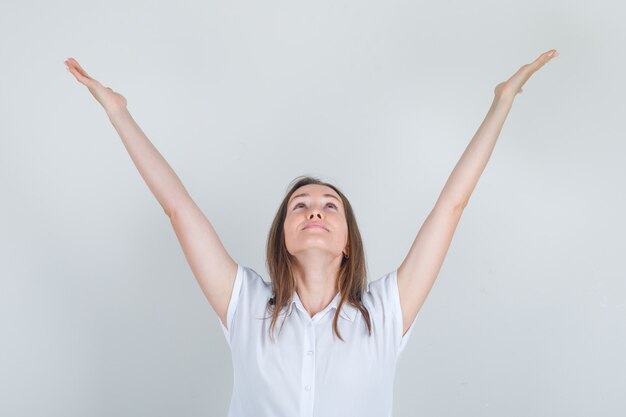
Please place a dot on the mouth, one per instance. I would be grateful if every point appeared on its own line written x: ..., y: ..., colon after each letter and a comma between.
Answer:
x: 314, y: 225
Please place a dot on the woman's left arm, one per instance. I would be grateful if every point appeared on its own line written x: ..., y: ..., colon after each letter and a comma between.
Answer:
x: 417, y: 273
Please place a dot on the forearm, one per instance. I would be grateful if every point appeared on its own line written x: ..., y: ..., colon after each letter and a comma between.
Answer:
x: 154, y: 169
x: 470, y: 166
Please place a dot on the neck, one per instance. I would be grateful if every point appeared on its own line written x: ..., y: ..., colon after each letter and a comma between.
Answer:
x: 316, y: 282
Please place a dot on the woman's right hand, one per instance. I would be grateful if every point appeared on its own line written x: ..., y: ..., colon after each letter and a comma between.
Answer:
x: 108, y: 98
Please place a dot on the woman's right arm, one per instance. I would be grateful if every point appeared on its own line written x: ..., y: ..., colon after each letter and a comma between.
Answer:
x: 210, y: 263
x: 154, y: 169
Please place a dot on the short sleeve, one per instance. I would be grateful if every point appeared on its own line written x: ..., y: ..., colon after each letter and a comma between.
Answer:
x: 384, y: 298
x: 247, y: 303
x: 232, y: 304
x: 395, y: 293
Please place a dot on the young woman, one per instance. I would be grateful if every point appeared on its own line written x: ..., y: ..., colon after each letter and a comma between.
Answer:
x: 322, y: 364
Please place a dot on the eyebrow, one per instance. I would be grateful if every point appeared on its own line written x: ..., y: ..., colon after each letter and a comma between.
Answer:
x: 308, y: 195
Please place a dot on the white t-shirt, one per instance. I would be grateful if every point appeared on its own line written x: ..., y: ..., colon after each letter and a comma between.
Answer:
x: 306, y: 371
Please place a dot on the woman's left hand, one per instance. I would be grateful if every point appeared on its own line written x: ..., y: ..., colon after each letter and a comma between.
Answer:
x: 511, y: 87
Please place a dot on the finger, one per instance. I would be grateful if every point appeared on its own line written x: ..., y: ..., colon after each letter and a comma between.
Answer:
x: 529, y: 69
x: 80, y: 74
x: 543, y: 58
x: 74, y: 71
x: 80, y: 69
x: 89, y: 82
x: 71, y: 66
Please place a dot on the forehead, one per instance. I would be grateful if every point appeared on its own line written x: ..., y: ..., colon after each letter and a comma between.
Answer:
x: 315, y: 190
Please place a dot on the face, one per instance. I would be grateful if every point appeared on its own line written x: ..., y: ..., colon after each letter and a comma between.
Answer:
x: 323, y: 205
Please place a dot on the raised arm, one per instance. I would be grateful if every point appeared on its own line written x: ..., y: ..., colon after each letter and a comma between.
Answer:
x: 420, y: 268
x: 211, y: 264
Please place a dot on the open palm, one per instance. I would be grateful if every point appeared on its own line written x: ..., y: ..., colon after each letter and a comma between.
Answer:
x: 108, y: 98
x: 511, y: 87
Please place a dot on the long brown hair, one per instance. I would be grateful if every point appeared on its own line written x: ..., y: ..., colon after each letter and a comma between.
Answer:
x: 352, y: 277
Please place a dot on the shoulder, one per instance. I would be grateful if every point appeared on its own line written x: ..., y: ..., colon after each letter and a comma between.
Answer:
x: 382, y: 300
x: 251, y: 283
x: 252, y: 276
x: 382, y: 292
x: 249, y: 296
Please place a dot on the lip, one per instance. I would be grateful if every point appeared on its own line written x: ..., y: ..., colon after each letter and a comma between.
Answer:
x: 315, y: 224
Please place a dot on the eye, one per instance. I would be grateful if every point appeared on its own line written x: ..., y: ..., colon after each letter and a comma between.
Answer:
x: 332, y: 204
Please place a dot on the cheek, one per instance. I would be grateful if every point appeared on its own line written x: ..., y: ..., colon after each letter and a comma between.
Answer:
x: 288, y: 228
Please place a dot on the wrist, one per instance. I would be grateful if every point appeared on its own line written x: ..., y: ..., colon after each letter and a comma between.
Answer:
x: 503, y: 100
x: 116, y: 110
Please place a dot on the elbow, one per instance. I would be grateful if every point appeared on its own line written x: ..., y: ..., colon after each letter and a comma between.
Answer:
x: 169, y: 212
x: 454, y: 205
x: 460, y: 206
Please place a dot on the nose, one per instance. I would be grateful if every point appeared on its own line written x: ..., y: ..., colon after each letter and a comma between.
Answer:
x: 315, y: 213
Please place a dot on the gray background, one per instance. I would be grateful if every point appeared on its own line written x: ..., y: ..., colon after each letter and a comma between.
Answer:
x: 100, y: 314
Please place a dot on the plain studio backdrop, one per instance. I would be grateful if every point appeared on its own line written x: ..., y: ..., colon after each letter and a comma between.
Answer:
x: 100, y: 314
